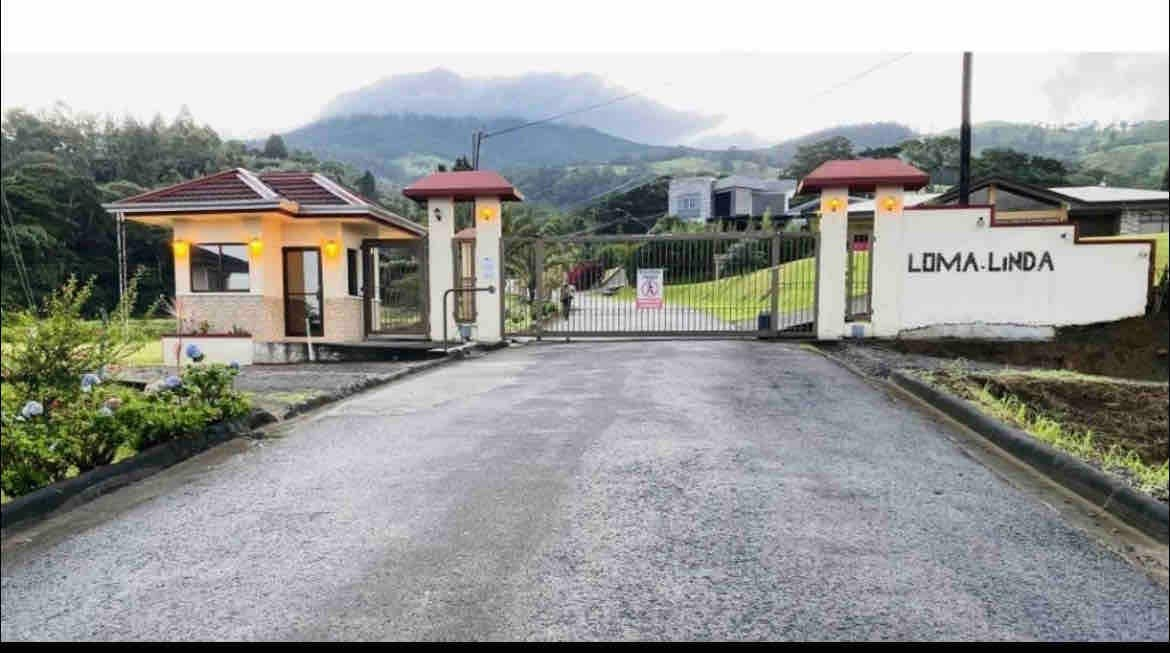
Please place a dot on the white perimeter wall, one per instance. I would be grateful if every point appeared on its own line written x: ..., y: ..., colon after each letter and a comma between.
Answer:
x: 1088, y: 283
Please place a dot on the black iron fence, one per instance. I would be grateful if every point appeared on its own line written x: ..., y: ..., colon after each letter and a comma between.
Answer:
x: 754, y: 283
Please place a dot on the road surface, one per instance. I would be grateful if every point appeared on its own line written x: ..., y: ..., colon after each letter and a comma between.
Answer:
x: 631, y: 490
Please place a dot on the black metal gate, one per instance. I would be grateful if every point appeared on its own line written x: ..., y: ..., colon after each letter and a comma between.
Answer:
x: 725, y: 284
x: 395, y: 287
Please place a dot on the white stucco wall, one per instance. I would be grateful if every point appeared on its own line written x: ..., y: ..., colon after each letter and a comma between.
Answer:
x: 1084, y: 283
x: 690, y: 186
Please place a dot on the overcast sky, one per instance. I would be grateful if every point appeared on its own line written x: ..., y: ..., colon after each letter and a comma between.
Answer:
x: 769, y: 95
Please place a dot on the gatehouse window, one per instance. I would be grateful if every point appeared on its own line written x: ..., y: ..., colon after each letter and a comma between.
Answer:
x: 220, y: 267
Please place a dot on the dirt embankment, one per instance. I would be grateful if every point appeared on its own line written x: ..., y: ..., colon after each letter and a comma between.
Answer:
x: 1131, y: 415
x: 1134, y: 349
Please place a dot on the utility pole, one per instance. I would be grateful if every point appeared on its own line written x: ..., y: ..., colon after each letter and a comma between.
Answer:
x: 965, y: 135
x: 476, y: 139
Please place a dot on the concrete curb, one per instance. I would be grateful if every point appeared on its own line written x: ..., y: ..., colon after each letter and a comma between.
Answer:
x: 1139, y: 510
x: 86, y: 487
x: 72, y: 492
x: 373, y: 382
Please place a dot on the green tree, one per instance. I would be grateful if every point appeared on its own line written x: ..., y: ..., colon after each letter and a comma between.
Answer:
x: 274, y: 147
x: 367, y: 186
x: 808, y: 157
x: 888, y: 152
x: 1018, y: 166
x: 936, y: 155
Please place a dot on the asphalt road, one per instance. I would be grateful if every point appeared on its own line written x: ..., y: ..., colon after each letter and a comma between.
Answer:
x: 643, y: 490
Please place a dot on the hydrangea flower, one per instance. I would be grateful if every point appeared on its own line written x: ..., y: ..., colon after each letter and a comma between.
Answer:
x: 172, y: 382
x: 235, y: 365
x: 194, y: 352
x: 31, y: 409
x: 89, y: 380
x: 105, y: 411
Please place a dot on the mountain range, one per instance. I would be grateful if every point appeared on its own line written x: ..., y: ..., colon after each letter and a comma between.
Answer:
x: 405, y: 126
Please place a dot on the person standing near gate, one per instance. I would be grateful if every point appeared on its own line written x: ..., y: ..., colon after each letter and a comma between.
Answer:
x: 567, y: 292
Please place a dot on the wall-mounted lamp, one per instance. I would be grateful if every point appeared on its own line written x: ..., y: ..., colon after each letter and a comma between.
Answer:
x: 890, y: 203
x: 438, y: 214
x: 833, y: 205
x: 180, y: 247
x: 256, y: 246
x: 486, y: 214
x: 331, y: 248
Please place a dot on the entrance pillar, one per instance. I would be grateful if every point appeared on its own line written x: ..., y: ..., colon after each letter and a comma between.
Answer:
x: 833, y: 258
x: 488, y: 269
x: 440, y: 264
x: 886, y: 259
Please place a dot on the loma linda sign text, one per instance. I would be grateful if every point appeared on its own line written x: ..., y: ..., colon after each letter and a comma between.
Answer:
x: 968, y: 262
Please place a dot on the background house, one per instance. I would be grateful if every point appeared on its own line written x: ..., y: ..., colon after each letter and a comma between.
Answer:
x: 1096, y: 210
x: 732, y: 199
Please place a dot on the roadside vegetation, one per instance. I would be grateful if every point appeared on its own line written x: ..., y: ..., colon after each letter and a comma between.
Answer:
x: 1116, y: 425
x: 62, y: 409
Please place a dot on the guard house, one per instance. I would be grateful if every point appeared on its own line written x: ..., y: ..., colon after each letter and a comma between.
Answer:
x: 267, y: 261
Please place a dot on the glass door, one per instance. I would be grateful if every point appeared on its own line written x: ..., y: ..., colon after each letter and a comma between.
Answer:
x: 303, y: 301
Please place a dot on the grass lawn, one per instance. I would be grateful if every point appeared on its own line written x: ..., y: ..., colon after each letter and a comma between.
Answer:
x: 743, y: 297
x: 1161, y: 249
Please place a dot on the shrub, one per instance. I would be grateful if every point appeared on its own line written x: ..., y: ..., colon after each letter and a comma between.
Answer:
x: 87, y: 424
x: 54, y: 346
x: 29, y: 458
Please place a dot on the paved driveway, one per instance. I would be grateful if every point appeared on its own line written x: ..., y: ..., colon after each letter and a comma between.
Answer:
x: 623, y: 490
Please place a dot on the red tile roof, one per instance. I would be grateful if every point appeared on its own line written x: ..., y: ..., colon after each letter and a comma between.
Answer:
x: 300, y: 187
x: 300, y: 194
x: 463, y: 185
x: 864, y: 175
x: 222, y: 186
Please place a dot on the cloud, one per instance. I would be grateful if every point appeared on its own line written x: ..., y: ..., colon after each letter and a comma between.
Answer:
x: 530, y: 96
x: 1136, y: 85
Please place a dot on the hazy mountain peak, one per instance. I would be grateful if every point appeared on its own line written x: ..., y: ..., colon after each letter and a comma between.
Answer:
x: 441, y: 92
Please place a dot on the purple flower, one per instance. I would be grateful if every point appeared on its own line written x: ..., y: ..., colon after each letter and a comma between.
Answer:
x: 235, y: 365
x: 194, y: 352
x: 172, y: 382
x: 89, y: 380
x: 31, y: 409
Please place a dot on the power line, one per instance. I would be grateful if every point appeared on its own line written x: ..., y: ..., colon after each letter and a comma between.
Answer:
x: 562, y: 115
x: 479, y: 136
x: 17, y: 257
x: 644, y: 179
x: 860, y: 75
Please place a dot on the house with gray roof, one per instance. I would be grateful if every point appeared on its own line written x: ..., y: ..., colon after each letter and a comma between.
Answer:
x: 1096, y: 210
x: 735, y: 198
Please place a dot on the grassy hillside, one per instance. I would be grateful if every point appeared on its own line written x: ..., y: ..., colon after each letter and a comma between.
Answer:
x: 1139, y: 165
x: 1133, y: 154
